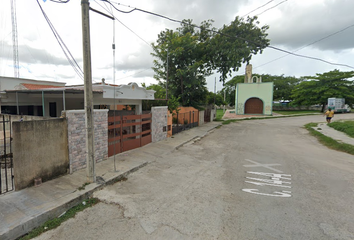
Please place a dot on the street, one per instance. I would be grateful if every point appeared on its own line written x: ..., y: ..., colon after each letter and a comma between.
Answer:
x: 259, y: 179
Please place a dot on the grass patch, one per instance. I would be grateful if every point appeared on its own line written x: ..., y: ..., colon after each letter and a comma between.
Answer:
x: 225, y: 122
x: 219, y: 114
x: 346, y: 126
x: 51, y: 224
x: 292, y: 112
x: 83, y: 186
x: 329, y: 142
x: 121, y: 179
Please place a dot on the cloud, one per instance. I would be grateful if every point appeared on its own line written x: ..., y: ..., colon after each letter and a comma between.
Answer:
x: 138, y: 60
x: 299, y: 24
x: 30, y: 55
x: 222, y: 12
x: 293, y: 24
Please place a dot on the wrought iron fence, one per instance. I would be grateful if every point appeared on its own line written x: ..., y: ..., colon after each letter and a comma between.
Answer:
x: 6, y: 156
x: 184, y: 121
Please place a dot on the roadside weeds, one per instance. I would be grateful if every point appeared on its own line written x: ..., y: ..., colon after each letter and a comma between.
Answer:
x: 329, y: 142
x: 344, y: 126
x: 56, y: 222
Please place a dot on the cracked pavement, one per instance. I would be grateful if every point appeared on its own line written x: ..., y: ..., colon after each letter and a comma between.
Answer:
x: 196, y: 192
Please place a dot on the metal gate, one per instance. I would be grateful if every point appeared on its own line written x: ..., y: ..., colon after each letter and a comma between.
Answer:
x: 6, y: 156
x: 128, y: 132
x: 207, y: 113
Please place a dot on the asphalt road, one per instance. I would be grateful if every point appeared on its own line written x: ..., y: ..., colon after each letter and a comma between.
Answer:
x: 260, y: 179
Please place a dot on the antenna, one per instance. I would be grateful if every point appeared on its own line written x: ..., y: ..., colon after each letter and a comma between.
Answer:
x: 14, y: 39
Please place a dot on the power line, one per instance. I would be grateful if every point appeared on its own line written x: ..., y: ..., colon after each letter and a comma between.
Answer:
x: 134, y: 74
x: 257, y: 8
x: 111, y: 12
x: 123, y: 24
x: 314, y: 58
x: 59, y: 1
x: 193, y: 25
x: 144, y: 11
x: 330, y: 35
x: 62, y: 45
x: 272, y: 7
x: 342, y: 30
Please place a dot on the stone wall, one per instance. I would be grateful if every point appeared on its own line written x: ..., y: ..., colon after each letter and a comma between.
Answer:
x: 40, y: 150
x: 77, y: 137
x: 159, y: 123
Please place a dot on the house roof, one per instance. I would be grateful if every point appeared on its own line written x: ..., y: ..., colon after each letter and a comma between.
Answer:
x: 53, y: 90
x: 128, y: 92
x: 30, y: 86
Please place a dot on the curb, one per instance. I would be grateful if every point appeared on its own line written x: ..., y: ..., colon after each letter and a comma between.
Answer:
x: 113, y: 180
x: 66, y: 203
x: 197, y: 137
x: 77, y: 196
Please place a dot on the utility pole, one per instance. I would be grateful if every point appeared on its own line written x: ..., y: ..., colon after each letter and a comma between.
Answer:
x: 167, y: 80
x: 214, y: 91
x: 90, y: 158
x: 224, y: 99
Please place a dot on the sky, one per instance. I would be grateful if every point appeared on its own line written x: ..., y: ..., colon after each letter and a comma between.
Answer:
x: 322, y: 29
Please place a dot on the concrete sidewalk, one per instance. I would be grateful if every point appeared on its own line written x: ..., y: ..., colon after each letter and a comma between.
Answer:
x: 332, y: 133
x: 29, y: 208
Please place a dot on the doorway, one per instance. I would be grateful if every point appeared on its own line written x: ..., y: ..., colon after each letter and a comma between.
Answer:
x: 254, y: 106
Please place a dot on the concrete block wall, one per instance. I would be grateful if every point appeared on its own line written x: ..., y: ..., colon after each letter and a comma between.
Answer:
x: 77, y: 137
x: 39, y: 150
x: 159, y: 123
x: 201, y: 118
x: 212, y: 115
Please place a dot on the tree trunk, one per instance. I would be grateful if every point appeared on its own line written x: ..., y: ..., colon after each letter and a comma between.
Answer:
x: 182, y: 91
x: 323, y: 107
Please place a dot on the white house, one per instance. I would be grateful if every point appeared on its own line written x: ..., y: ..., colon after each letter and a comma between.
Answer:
x: 43, y: 98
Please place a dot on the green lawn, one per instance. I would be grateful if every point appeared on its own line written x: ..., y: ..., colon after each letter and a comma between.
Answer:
x: 344, y: 126
x: 219, y: 114
x: 292, y: 112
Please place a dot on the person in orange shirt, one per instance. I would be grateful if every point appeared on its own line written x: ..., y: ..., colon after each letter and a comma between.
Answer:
x: 329, y: 115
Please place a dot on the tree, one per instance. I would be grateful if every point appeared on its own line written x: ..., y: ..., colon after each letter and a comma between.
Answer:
x: 230, y: 88
x: 160, y: 93
x: 179, y: 54
x: 236, y: 44
x: 217, y: 98
x: 283, y: 86
x: 317, y: 89
x: 173, y: 105
x: 189, y: 54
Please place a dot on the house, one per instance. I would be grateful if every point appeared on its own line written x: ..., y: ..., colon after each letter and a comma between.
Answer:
x: 115, y: 130
x: 41, y: 98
